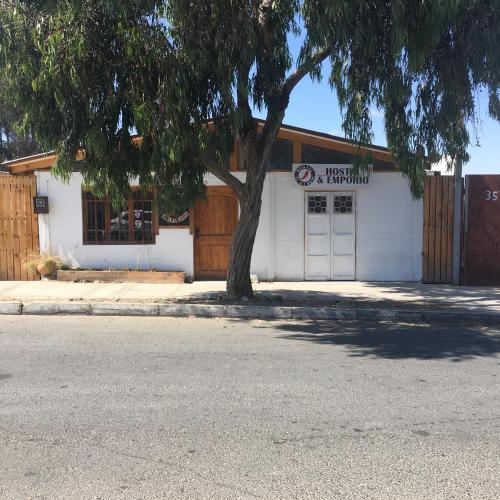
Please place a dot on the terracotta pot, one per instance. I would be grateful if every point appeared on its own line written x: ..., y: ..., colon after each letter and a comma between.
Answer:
x: 45, y: 268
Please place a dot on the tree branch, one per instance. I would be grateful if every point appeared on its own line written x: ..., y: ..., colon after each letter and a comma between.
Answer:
x: 302, y: 71
x: 276, y: 113
x: 222, y: 174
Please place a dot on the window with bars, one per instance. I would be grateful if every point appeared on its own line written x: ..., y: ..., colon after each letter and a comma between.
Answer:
x: 316, y: 204
x: 134, y: 223
x: 342, y: 204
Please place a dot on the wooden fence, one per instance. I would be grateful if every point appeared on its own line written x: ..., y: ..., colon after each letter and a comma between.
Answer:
x: 437, y: 262
x: 18, y: 226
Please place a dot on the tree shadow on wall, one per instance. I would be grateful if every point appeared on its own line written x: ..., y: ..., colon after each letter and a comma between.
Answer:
x: 398, y: 341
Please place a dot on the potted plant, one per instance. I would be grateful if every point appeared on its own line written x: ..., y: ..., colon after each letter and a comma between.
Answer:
x: 44, y: 265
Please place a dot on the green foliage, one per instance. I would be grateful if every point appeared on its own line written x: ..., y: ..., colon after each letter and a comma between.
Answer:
x: 89, y: 74
x: 421, y: 62
x: 13, y: 142
x: 51, y: 263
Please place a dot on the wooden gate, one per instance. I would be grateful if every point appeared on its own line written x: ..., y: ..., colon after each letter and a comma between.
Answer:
x: 482, y: 230
x: 437, y: 255
x: 18, y: 226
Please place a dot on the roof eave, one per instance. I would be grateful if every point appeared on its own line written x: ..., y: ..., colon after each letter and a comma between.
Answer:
x: 45, y: 161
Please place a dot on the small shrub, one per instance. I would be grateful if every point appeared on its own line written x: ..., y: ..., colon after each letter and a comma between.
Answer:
x: 49, y: 263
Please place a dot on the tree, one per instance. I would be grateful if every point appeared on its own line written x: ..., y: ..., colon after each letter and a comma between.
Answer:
x: 186, y: 75
x: 12, y: 143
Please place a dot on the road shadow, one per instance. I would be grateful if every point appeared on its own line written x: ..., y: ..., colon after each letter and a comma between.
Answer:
x: 398, y: 341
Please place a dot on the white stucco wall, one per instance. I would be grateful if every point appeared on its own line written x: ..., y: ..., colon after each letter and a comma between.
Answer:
x: 388, y: 232
x: 388, y: 229
x: 61, y: 233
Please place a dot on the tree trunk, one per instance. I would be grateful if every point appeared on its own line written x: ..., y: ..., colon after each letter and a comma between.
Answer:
x: 253, y: 152
x: 238, y: 277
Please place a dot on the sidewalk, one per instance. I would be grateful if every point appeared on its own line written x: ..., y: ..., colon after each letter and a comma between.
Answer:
x: 282, y: 299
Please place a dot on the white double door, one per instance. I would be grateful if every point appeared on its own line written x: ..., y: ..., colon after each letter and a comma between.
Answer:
x: 330, y: 236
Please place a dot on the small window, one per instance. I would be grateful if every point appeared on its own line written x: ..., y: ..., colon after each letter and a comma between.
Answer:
x: 316, y: 154
x: 342, y: 204
x: 131, y: 224
x: 316, y: 204
x: 281, y: 156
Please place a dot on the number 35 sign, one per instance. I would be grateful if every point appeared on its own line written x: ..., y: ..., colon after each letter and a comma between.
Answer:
x: 492, y: 195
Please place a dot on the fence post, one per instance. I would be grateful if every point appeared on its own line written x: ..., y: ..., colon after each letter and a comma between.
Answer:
x: 457, y: 221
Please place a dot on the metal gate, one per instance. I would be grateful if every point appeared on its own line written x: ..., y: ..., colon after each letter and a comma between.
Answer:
x: 18, y: 226
x: 481, y: 256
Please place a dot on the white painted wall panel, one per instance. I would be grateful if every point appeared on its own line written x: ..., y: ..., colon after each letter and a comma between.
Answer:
x: 289, y: 228
x: 389, y: 234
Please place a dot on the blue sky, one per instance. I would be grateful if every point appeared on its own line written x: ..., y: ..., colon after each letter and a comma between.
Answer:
x: 314, y: 105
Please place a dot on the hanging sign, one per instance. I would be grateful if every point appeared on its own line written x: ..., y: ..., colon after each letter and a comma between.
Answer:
x: 175, y: 220
x: 324, y: 176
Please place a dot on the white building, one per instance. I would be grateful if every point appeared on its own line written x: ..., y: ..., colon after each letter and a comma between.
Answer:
x: 318, y: 221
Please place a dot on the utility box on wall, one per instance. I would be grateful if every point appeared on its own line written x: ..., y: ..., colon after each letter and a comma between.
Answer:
x: 41, y: 204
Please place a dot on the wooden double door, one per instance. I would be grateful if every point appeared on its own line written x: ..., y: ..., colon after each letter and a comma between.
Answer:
x: 215, y: 219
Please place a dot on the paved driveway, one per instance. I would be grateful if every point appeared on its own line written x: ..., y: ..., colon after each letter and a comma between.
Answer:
x: 188, y: 408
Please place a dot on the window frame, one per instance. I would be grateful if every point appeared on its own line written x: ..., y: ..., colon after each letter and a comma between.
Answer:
x: 107, y: 220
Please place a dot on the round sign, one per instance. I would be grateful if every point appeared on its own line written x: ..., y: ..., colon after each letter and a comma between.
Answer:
x: 304, y: 175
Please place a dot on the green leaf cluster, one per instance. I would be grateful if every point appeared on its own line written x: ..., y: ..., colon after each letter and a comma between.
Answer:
x: 89, y: 75
x: 14, y: 141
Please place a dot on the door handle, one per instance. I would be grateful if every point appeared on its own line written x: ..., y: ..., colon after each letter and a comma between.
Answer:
x: 196, y: 232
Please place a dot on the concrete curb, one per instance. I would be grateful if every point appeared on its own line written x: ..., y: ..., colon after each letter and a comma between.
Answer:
x: 249, y: 312
x: 117, y: 309
x: 10, y: 307
x: 198, y: 310
x: 51, y: 308
x: 260, y: 312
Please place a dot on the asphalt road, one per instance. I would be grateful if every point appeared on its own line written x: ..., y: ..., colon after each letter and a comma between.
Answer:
x: 104, y: 408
